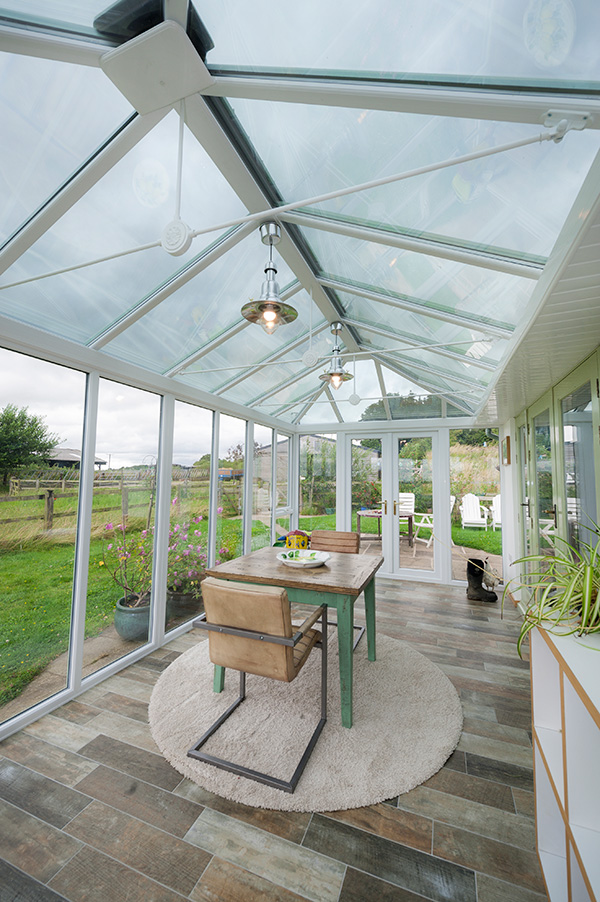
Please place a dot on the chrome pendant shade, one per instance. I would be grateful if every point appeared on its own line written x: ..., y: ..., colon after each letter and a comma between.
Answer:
x: 335, y: 373
x: 269, y: 311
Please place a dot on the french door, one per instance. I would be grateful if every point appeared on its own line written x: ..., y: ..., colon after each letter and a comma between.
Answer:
x: 394, y: 501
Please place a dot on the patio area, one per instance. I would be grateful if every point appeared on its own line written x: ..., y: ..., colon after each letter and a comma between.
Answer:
x: 88, y: 804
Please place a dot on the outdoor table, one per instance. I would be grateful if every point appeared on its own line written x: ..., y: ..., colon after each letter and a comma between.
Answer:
x: 377, y: 513
x: 338, y: 583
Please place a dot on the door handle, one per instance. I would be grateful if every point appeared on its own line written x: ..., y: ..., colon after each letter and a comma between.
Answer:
x: 552, y: 511
x: 395, y: 510
x: 385, y: 507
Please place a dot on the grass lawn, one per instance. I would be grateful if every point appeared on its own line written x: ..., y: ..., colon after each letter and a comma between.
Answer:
x: 37, y: 580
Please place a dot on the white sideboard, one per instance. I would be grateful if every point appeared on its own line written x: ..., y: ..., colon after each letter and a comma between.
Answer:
x: 565, y: 684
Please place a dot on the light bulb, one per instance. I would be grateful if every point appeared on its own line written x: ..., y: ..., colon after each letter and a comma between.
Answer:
x: 270, y: 325
x: 336, y: 380
x: 269, y: 315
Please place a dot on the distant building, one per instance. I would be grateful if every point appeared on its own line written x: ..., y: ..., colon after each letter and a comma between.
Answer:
x: 69, y: 457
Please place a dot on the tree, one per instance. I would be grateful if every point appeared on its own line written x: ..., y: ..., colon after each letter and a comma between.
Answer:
x: 24, y: 439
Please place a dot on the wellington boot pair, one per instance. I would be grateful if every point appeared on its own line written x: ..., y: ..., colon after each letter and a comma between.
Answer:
x: 475, y: 588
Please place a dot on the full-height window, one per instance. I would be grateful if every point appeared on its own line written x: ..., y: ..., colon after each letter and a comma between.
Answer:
x: 121, y: 553
x: 40, y: 404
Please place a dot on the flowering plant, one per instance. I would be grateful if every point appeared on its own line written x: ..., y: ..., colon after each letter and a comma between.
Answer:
x: 129, y: 561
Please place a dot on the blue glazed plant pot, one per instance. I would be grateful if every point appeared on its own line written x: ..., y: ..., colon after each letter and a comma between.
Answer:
x: 132, y: 624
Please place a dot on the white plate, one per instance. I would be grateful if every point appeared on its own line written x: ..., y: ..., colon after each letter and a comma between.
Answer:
x: 303, y: 557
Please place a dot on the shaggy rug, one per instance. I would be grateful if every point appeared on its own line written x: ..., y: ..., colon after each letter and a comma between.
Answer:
x: 407, y: 721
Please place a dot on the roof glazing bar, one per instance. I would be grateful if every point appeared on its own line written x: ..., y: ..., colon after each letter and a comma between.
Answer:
x: 484, y: 259
x: 430, y: 387
x: 382, y: 388
x: 334, y: 406
x: 421, y: 345
x: 422, y: 367
x: 420, y: 307
x: 529, y: 105
x: 153, y: 300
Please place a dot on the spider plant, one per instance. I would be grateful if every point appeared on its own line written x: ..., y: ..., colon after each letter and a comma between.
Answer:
x: 563, y: 589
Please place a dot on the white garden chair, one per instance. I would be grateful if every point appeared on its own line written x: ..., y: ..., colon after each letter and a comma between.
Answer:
x: 406, y: 503
x: 472, y: 512
x: 496, y: 510
x: 426, y: 520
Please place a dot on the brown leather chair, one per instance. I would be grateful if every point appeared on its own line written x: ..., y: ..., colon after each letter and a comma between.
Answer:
x: 332, y: 540
x: 250, y: 629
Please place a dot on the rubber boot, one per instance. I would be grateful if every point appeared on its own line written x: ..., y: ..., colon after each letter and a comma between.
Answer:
x: 475, y: 588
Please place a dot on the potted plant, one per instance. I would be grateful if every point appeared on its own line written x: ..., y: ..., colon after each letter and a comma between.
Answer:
x: 564, y: 588
x: 128, y: 559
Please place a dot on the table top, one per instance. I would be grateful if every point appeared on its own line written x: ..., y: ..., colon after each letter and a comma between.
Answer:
x: 343, y: 574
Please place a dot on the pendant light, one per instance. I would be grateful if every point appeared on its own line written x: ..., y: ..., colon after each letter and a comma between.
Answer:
x: 269, y: 311
x: 335, y: 373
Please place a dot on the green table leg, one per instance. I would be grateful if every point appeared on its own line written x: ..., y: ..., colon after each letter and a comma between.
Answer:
x: 345, y: 607
x: 370, y: 618
x: 219, y: 679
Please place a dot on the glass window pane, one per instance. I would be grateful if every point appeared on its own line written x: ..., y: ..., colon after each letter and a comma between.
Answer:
x: 126, y: 209
x: 262, y: 487
x: 366, y: 492
x: 199, y: 311
x: 190, y: 512
x: 415, y: 503
x: 578, y: 445
x: 474, y: 469
x: 534, y: 42
x: 230, y: 488
x: 56, y: 115
x: 546, y: 518
x: 282, y: 488
x: 38, y: 519
x: 497, y: 201
x: 317, y: 482
x: 120, y: 570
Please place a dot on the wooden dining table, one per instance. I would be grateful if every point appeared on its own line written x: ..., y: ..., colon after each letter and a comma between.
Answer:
x: 338, y: 583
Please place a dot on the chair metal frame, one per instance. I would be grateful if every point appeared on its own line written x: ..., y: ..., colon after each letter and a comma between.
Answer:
x: 240, y: 769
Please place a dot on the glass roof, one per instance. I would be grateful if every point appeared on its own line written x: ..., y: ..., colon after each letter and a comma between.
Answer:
x: 433, y: 276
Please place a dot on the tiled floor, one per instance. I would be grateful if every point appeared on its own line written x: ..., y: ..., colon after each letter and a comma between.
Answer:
x: 90, y: 812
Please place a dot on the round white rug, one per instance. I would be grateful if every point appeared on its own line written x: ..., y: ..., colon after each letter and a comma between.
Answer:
x: 407, y: 721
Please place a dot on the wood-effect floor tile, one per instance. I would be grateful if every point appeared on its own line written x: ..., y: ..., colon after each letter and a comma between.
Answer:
x: 408, y: 868
x: 58, y: 764
x: 147, y: 766
x: 93, y: 877
x: 119, y: 704
x: 484, y: 819
x: 141, y: 800
x: 500, y: 771
x: 130, y: 731
x: 490, y: 889
x: 309, y: 873
x: 63, y: 733
x: 34, y: 847
x: 407, y: 826
x: 44, y: 798
x: 487, y: 856
x: 15, y: 886
x: 225, y: 882
x: 151, y: 851
x: 290, y: 825
x: 360, y: 887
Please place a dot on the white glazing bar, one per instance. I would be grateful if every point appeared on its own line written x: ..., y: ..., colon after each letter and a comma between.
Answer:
x: 84, y: 524
x: 248, y: 497
x: 162, y: 519
x: 274, y: 471
x: 214, y: 490
x: 294, y: 479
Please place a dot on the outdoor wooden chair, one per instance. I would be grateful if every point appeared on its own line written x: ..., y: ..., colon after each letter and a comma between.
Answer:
x: 472, y: 512
x: 250, y: 629
x: 496, y: 510
x: 347, y: 543
x: 426, y: 520
x: 331, y: 540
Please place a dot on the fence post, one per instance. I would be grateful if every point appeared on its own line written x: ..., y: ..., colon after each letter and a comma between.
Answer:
x: 124, y: 502
x: 48, y: 508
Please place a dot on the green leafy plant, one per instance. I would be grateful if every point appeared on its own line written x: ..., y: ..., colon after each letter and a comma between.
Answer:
x: 564, y: 589
x: 128, y: 559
